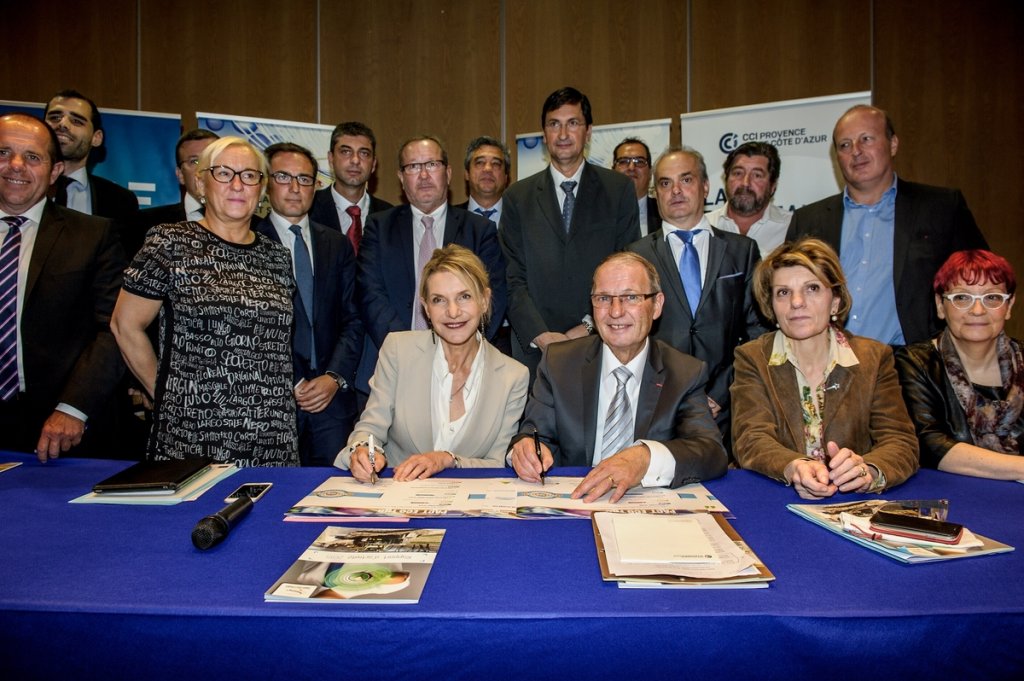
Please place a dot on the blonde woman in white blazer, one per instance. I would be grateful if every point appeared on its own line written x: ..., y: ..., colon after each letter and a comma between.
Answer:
x: 444, y: 397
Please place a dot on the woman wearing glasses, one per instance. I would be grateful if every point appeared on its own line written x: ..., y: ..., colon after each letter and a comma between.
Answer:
x: 221, y: 387
x: 813, y: 407
x: 443, y: 398
x: 965, y: 387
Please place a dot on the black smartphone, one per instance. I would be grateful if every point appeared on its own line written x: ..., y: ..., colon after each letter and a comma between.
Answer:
x: 253, y: 490
x: 914, y: 526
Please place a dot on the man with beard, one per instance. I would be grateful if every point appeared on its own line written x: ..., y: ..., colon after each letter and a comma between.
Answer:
x: 79, y: 127
x: 632, y: 158
x: 751, y: 176
x: 347, y: 203
x: 706, y: 273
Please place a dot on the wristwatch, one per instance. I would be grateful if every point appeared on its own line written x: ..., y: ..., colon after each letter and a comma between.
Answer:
x: 342, y: 383
x: 588, y: 322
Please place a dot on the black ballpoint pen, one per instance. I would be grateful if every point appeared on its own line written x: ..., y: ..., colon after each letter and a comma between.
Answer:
x: 536, y: 446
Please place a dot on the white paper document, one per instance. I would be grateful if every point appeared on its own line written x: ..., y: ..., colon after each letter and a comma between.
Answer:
x: 662, y: 539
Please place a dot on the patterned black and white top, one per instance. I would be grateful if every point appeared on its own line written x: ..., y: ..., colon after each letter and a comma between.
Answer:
x: 224, y: 380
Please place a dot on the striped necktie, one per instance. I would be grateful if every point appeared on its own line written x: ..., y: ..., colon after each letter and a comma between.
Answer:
x: 618, y: 426
x: 10, y: 252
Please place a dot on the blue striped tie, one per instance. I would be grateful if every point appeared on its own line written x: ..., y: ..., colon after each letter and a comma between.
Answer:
x: 487, y: 213
x: 9, y: 254
x: 618, y: 426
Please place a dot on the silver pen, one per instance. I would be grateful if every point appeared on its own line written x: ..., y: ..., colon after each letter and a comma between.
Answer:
x: 373, y: 462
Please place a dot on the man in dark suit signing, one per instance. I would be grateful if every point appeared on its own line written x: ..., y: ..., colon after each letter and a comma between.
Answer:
x: 891, y: 235
x: 706, y: 273
x: 632, y: 407
x: 79, y: 127
x: 557, y: 226
x: 632, y: 158
x: 60, y: 272
x: 328, y: 336
x: 398, y: 242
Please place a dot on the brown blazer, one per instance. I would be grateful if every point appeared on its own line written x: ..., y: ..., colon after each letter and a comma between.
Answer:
x: 865, y: 413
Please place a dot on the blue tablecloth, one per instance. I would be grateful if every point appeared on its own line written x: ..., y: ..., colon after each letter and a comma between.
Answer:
x: 90, y: 591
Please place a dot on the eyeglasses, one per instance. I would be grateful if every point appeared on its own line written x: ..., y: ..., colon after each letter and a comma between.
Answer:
x: 190, y: 162
x: 226, y: 175
x: 602, y: 301
x: 416, y: 168
x: 636, y: 161
x: 965, y: 301
x: 572, y: 125
x: 282, y: 177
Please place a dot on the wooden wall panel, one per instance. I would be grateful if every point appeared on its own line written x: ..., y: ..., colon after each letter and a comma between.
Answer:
x: 407, y: 67
x: 51, y: 46
x: 628, y: 58
x: 956, y: 95
x: 231, y: 57
x: 751, y: 52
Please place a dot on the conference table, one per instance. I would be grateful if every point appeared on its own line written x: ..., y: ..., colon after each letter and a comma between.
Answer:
x: 110, y: 591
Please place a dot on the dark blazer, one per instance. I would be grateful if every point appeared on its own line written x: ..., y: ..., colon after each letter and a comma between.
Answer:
x: 938, y: 416
x: 326, y: 213
x: 865, y: 412
x: 931, y: 224
x: 726, y: 315
x: 337, y: 328
x: 653, y: 217
x: 387, y: 276
x: 70, y: 354
x: 672, y: 408
x: 549, y: 271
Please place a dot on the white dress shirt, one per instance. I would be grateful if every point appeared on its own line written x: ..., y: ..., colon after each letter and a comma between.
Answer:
x: 769, y: 231
x: 448, y: 433
x: 284, y: 232
x: 701, y: 241
x: 341, y: 204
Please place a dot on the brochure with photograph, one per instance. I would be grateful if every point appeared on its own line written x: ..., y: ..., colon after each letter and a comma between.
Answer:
x: 348, y: 564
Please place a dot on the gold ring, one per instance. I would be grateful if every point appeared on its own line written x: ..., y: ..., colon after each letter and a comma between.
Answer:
x: 611, y: 480
x: 863, y: 470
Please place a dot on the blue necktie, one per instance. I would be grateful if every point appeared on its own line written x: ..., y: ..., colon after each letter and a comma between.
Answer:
x: 569, y: 204
x: 10, y: 252
x: 304, y: 280
x: 689, y: 269
x: 486, y: 213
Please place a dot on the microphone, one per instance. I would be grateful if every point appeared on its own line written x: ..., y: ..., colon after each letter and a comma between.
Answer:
x: 212, y: 529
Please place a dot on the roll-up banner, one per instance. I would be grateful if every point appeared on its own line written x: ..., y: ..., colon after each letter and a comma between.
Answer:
x: 801, y: 129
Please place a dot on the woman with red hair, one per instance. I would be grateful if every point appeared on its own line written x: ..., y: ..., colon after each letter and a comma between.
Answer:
x: 965, y: 387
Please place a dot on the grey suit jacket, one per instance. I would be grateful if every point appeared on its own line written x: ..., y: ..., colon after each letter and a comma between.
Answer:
x: 726, y: 316
x: 931, y: 224
x: 549, y: 272
x: 398, y: 411
x: 672, y: 408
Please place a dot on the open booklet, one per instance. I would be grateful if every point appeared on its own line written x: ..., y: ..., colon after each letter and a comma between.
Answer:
x: 340, y: 497
x: 691, y: 550
x: 352, y: 565
x: 852, y: 521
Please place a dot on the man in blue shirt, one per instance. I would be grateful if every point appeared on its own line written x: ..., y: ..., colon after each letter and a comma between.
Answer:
x: 892, y: 235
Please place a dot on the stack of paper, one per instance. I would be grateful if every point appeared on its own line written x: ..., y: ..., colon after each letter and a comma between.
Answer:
x: 188, y: 492
x: 672, y: 551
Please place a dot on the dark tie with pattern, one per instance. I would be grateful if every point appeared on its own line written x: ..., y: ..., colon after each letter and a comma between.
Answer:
x: 355, y: 231
x: 304, y: 281
x: 487, y: 213
x: 568, y: 204
x: 9, y: 254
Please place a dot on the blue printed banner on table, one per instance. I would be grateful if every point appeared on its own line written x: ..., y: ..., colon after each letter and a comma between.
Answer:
x: 801, y: 129
x: 532, y: 156
x: 138, y: 150
x: 262, y: 132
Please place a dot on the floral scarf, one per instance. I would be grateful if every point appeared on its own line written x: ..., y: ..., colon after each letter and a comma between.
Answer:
x: 995, y: 424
